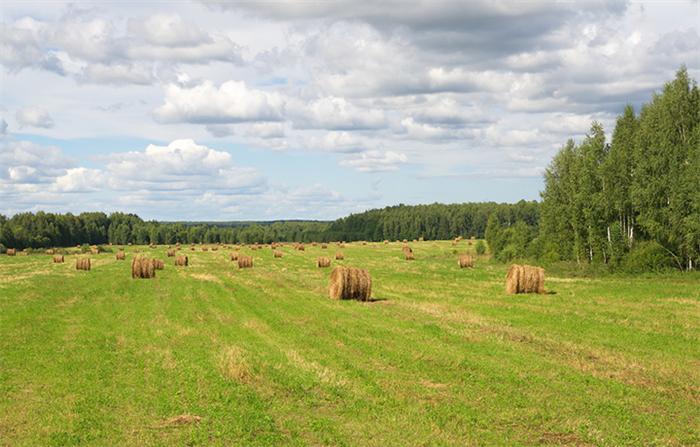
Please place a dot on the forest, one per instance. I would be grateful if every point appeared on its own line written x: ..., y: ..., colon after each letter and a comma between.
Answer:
x: 632, y: 202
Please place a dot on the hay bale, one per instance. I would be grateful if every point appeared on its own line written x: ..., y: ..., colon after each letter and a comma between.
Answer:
x: 385, y: 242
x: 11, y: 252
x: 469, y: 242
x: 465, y: 261
x: 94, y: 252
x: 415, y: 240
x: 405, y: 240
x: 253, y: 247
x: 324, y: 245
x: 364, y: 243
x: 313, y: 244
x: 525, y: 279
x: 277, y: 254
x: 49, y: 252
x: 454, y: 243
x: 473, y: 237
x: 234, y: 256
x: 409, y: 257
x: 348, y: 283
x: 121, y: 256
x: 144, y: 268
x: 129, y: 244
x: 374, y: 245
x: 322, y: 262
x: 420, y: 239
x: 406, y: 249
x: 191, y: 248
x: 82, y: 264
x: 339, y: 256
x: 160, y: 264
x: 171, y: 252
x: 205, y: 248
x: 433, y: 244
x: 300, y: 247
x: 341, y: 245
x: 181, y: 261
x: 135, y: 250
x: 121, y: 248
x: 245, y: 262
x: 58, y: 259
x: 215, y: 248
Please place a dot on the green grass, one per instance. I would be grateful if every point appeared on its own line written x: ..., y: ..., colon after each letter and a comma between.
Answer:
x: 441, y: 356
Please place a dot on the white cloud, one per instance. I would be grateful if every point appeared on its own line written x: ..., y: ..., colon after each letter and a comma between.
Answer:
x: 80, y: 180
x: 184, y: 167
x: 266, y: 130
x: 334, y: 113
x: 343, y: 142
x: 168, y: 30
x: 34, y: 116
x: 373, y: 161
x: 233, y: 102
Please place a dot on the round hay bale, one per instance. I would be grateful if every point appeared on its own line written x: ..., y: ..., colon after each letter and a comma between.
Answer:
x: 385, y: 242
x: 135, y: 250
x: 322, y: 262
x: 171, y: 252
x: 82, y: 264
x: 420, y: 239
x: 454, y: 243
x: 525, y: 279
x: 465, y: 261
x: 406, y: 249
x: 300, y: 247
x: 143, y: 268
x: 405, y: 240
x: 181, y: 261
x: 341, y: 245
x: 215, y: 248
x: 277, y: 254
x: 205, y: 248
x: 245, y: 262
x: 129, y: 244
x: 324, y: 245
x: 433, y: 244
x: 374, y: 245
x: 121, y: 248
x: 409, y: 257
x: 364, y: 243
x: 469, y: 242
x: 234, y: 256
x: 313, y: 244
x: 160, y: 264
x: 339, y: 256
x: 473, y: 237
x: 11, y: 252
x: 348, y: 283
x: 49, y: 252
x: 121, y: 256
x: 58, y: 259
x: 191, y: 248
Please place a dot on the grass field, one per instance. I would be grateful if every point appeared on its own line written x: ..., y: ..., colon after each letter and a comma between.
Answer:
x: 212, y: 355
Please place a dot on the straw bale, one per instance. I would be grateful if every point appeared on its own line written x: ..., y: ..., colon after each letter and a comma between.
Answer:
x: 135, y: 250
x: 82, y: 264
x: 473, y: 237
x: 323, y: 261
x: 339, y: 256
x: 160, y: 264
x: 143, y: 268
x: 121, y: 256
x: 300, y: 247
x: 324, y: 245
x: 385, y: 242
x: 374, y: 245
x: 11, y: 252
x: 215, y: 248
x: 245, y: 262
x: 454, y: 243
x: 469, y: 242
x: 405, y: 240
x: 171, y: 252
x: 420, y: 239
x: 181, y: 261
x: 525, y: 279
x: 121, y: 248
x: 49, y: 252
x: 58, y: 259
x: 94, y: 252
x: 205, y: 248
x: 465, y: 261
x: 348, y: 283
x: 313, y: 244
x: 234, y: 256
x: 277, y: 254
x: 129, y: 244
x: 341, y: 245
x: 409, y: 257
x: 406, y: 249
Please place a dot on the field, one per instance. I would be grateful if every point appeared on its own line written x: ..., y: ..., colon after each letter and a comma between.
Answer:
x: 212, y: 355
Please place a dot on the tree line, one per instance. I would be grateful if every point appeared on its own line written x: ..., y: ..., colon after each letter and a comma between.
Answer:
x: 634, y: 201
x: 436, y: 221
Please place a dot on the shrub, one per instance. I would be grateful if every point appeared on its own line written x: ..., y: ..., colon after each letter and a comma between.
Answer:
x: 480, y: 247
x: 647, y: 257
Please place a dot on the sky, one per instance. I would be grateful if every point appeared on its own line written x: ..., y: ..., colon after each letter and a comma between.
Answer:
x: 222, y: 111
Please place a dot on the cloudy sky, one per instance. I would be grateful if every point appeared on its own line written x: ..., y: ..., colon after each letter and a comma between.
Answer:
x: 210, y: 110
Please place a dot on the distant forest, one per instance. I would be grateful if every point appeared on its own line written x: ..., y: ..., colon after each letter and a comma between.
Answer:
x: 632, y: 203
x: 437, y: 221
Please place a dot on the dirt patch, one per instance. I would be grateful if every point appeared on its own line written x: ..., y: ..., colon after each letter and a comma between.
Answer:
x: 183, y: 419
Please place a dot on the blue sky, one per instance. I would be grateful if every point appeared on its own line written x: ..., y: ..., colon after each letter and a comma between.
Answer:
x: 314, y: 110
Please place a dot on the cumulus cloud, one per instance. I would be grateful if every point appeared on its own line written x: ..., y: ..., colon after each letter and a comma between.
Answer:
x: 267, y: 130
x: 233, y: 102
x: 373, y: 161
x: 344, y: 142
x: 34, y: 116
x: 184, y: 167
x: 334, y: 113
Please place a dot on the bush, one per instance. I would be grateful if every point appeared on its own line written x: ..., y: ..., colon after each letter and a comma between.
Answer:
x: 480, y: 247
x: 85, y: 248
x: 647, y: 257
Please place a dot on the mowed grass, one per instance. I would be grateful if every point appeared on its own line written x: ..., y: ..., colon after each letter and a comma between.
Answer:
x: 212, y: 355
